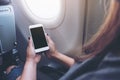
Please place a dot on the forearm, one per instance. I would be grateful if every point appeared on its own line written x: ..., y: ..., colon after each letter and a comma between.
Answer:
x: 29, y: 71
x: 65, y: 59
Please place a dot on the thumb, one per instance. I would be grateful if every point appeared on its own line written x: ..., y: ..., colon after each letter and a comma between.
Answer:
x: 30, y: 42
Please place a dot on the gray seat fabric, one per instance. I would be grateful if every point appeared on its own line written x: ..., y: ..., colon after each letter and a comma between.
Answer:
x: 4, y: 2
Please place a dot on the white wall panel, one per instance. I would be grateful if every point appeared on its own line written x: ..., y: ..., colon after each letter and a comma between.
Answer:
x: 94, y: 18
x: 69, y: 35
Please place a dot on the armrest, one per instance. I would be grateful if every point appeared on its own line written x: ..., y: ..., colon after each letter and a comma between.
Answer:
x: 1, y: 60
x: 54, y: 69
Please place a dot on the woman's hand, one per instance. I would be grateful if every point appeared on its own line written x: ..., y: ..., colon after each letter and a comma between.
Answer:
x: 52, y: 51
x: 30, y: 67
x: 57, y: 55
x: 31, y: 55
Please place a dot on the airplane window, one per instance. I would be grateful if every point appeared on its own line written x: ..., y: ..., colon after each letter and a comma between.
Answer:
x: 44, y: 8
x: 45, y: 11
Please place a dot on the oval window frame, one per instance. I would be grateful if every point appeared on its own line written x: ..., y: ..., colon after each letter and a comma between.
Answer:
x: 48, y: 23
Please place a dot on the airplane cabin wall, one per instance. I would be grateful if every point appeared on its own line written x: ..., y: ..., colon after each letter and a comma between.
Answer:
x: 95, y: 17
x: 67, y: 36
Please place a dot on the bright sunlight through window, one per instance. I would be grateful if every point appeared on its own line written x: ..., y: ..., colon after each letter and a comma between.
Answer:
x: 44, y: 8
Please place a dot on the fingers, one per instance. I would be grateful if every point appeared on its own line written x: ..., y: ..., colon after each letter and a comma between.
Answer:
x: 30, y: 44
x: 31, y: 55
x: 49, y: 40
x: 46, y: 35
x: 30, y: 49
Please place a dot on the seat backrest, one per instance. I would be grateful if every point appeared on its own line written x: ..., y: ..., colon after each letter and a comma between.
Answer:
x: 7, y: 27
x: 4, y: 2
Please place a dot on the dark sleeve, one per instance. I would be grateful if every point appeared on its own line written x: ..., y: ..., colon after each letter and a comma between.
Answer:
x: 15, y: 73
x: 1, y: 61
x: 81, y: 68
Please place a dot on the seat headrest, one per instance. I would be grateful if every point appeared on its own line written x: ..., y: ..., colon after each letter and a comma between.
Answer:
x: 4, y: 2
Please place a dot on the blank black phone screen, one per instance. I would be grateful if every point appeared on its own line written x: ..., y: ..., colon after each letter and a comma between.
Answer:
x: 38, y: 37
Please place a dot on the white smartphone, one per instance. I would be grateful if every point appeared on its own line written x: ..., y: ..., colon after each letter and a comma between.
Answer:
x: 38, y: 37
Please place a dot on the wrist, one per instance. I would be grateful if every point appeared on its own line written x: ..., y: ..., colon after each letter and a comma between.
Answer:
x: 29, y: 60
x: 55, y: 54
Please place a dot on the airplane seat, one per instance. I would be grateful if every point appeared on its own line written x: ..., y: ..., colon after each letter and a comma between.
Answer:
x: 54, y: 69
x: 7, y: 34
x: 4, y: 2
x: 7, y: 27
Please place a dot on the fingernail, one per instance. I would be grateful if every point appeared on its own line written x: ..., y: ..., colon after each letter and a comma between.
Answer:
x: 29, y: 38
x: 46, y: 33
